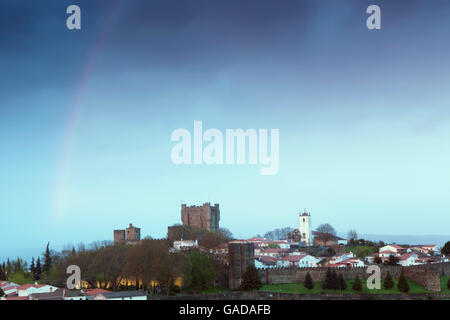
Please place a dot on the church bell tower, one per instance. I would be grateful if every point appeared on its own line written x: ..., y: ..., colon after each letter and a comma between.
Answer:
x: 305, y: 228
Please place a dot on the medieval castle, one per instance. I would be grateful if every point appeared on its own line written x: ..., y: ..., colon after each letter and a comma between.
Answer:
x: 201, y: 217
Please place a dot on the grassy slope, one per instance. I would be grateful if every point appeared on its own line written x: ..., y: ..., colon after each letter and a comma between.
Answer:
x: 360, y: 251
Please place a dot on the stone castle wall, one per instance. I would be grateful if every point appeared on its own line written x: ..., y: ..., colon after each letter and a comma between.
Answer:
x: 426, y: 275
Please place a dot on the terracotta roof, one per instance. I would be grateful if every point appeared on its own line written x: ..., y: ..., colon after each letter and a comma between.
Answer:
x: 294, y: 258
x: 9, y: 288
x: 396, y: 246
x: 27, y: 286
x: 267, y: 259
x: 55, y: 295
x: 257, y: 239
x: 91, y: 292
x: 405, y: 256
x: 388, y: 251
x: 16, y: 298
x: 274, y: 250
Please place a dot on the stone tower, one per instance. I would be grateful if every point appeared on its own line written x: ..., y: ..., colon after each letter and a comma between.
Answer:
x: 130, y: 235
x: 133, y: 233
x: 202, y: 217
x: 240, y: 255
x: 305, y: 229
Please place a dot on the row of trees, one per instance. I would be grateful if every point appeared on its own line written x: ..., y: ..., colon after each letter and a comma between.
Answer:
x: 337, y: 282
x: 149, y: 264
x: 18, y: 270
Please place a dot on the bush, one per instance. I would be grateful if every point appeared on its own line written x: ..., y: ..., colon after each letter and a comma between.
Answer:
x: 357, y: 286
x: 403, y: 285
x: 2, y: 294
x: 388, y: 283
x: 308, y: 283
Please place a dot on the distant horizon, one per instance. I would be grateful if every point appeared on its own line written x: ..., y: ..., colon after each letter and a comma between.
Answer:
x: 29, y: 252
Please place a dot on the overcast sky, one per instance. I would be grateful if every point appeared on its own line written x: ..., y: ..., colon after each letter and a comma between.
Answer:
x: 86, y: 116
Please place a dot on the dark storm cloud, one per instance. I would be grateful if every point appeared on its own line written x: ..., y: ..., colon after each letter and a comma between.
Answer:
x: 37, y: 49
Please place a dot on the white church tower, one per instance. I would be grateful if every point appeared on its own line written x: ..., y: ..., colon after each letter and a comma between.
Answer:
x: 305, y: 228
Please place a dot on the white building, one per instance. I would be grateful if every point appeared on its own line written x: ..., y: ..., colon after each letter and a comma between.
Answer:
x: 408, y: 259
x: 345, y: 256
x: 8, y: 287
x: 185, y: 244
x: 391, y: 249
x: 27, y: 289
x: 305, y: 229
x: 300, y: 261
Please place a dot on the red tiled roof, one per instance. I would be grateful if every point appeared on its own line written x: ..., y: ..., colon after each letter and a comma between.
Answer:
x: 295, y: 258
x: 257, y: 239
x: 27, y: 286
x: 405, y: 256
x: 267, y: 259
x: 93, y: 292
x: 274, y: 250
x: 16, y: 298
x: 9, y: 288
x: 396, y: 246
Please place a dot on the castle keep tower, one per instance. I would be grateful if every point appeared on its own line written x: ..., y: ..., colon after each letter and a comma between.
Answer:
x: 305, y: 228
x: 202, y: 217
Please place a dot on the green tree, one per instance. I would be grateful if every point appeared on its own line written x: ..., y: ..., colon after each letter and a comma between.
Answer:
x: 334, y: 280
x: 446, y: 249
x: 388, y: 283
x: 202, y: 271
x: 392, y: 261
x: 357, y: 286
x: 47, y: 261
x: 32, y: 267
x: 342, y: 283
x: 403, y: 285
x: 2, y: 271
x: 377, y: 260
x: 308, y: 283
x: 327, y: 283
x: 37, y: 271
x: 8, y: 268
x: 251, y: 279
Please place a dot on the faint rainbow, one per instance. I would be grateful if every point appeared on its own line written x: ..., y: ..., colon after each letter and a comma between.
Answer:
x: 75, y: 106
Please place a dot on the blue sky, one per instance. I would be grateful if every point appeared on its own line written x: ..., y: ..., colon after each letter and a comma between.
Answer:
x: 86, y: 116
